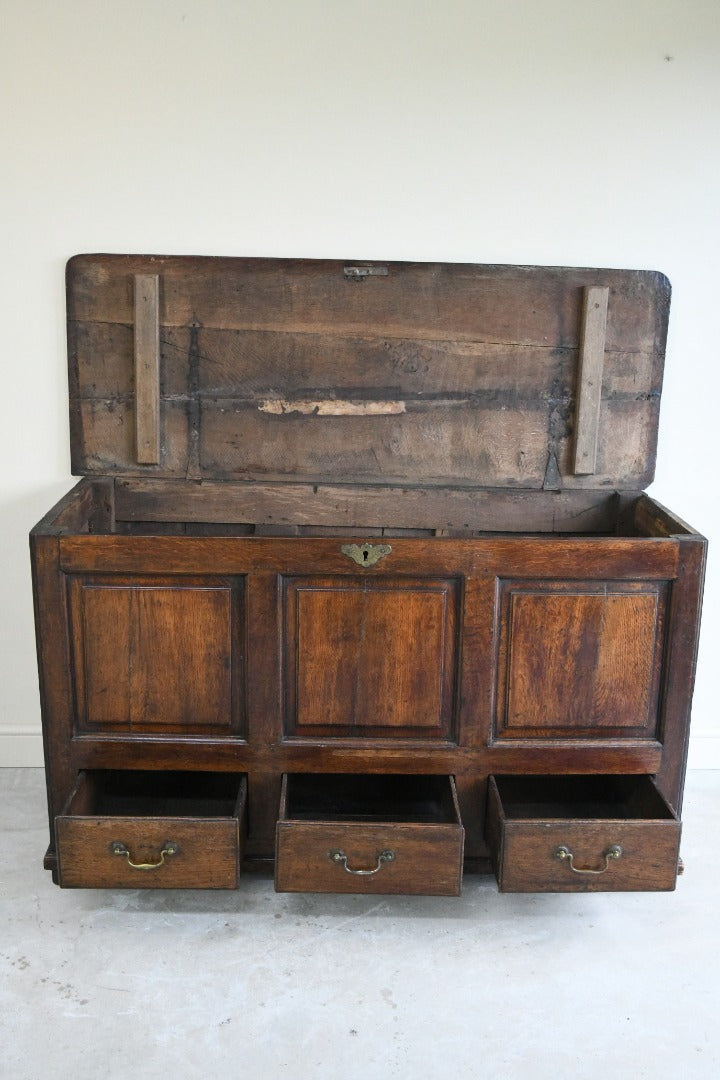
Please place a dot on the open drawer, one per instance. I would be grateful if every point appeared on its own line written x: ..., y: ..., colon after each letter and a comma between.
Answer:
x: 369, y: 834
x: 175, y: 830
x: 581, y: 833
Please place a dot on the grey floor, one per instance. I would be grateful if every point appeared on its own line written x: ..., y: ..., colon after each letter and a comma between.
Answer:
x: 254, y: 984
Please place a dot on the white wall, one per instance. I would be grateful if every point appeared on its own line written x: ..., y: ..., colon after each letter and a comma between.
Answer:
x: 569, y: 132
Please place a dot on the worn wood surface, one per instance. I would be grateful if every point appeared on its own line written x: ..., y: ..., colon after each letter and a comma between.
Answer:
x: 270, y: 567
x: 650, y: 518
x: 679, y: 668
x: 147, y: 368
x: 428, y: 858
x: 439, y: 374
x: 590, y: 380
x: 453, y: 511
x: 55, y: 675
x: 287, y: 657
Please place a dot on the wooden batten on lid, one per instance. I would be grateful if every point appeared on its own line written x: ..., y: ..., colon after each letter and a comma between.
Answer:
x: 590, y: 376
x: 396, y: 374
x: 147, y: 368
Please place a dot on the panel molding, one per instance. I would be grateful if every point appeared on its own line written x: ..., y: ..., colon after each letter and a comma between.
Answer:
x: 620, y: 642
x: 186, y: 662
x: 409, y: 627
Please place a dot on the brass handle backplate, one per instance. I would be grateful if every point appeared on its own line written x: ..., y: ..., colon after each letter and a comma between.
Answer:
x: 169, y: 848
x: 366, y: 554
x: 613, y: 852
x: 341, y: 858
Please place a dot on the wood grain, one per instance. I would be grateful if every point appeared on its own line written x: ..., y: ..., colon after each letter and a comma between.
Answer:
x: 427, y: 857
x: 444, y: 374
x: 159, y: 655
x: 524, y: 848
x: 147, y: 368
x: 209, y: 852
x: 580, y: 658
x: 516, y: 556
x: 429, y: 301
x: 344, y: 506
x: 590, y: 379
x: 370, y: 657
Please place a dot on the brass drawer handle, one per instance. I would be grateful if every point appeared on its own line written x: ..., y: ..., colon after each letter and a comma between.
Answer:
x: 366, y: 554
x: 613, y: 852
x: 170, y: 848
x: 341, y: 858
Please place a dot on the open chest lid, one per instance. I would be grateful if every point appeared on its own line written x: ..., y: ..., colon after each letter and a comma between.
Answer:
x: 410, y: 374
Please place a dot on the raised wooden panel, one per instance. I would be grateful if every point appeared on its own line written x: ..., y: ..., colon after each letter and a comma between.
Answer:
x: 579, y: 659
x: 370, y: 657
x: 163, y: 655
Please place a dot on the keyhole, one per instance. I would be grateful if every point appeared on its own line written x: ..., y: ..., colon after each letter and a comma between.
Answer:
x: 365, y: 554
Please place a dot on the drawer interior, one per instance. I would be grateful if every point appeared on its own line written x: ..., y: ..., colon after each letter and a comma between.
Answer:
x: 130, y: 793
x: 581, y: 798
x: 369, y: 798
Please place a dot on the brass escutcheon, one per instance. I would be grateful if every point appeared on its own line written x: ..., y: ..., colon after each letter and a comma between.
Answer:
x: 366, y: 554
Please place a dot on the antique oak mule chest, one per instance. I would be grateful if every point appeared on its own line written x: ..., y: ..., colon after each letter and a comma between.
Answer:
x: 360, y: 579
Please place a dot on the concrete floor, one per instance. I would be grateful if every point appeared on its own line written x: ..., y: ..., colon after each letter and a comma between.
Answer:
x: 254, y: 984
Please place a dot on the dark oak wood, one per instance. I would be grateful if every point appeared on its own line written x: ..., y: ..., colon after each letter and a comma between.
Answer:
x: 579, y: 658
x: 413, y: 820
x: 203, y: 612
x: 504, y: 557
x: 530, y: 818
x: 147, y: 368
x: 650, y: 518
x: 158, y: 654
x: 286, y: 370
x: 147, y: 813
x: 370, y: 656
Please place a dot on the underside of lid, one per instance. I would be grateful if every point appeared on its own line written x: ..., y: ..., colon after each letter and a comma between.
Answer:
x: 409, y: 374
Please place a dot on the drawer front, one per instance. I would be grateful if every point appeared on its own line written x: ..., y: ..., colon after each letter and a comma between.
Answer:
x: 572, y: 854
x: 146, y: 851
x: 337, y: 857
x: 601, y: 856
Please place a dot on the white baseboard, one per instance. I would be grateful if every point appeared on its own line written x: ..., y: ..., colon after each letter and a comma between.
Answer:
x: 21, y: 748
